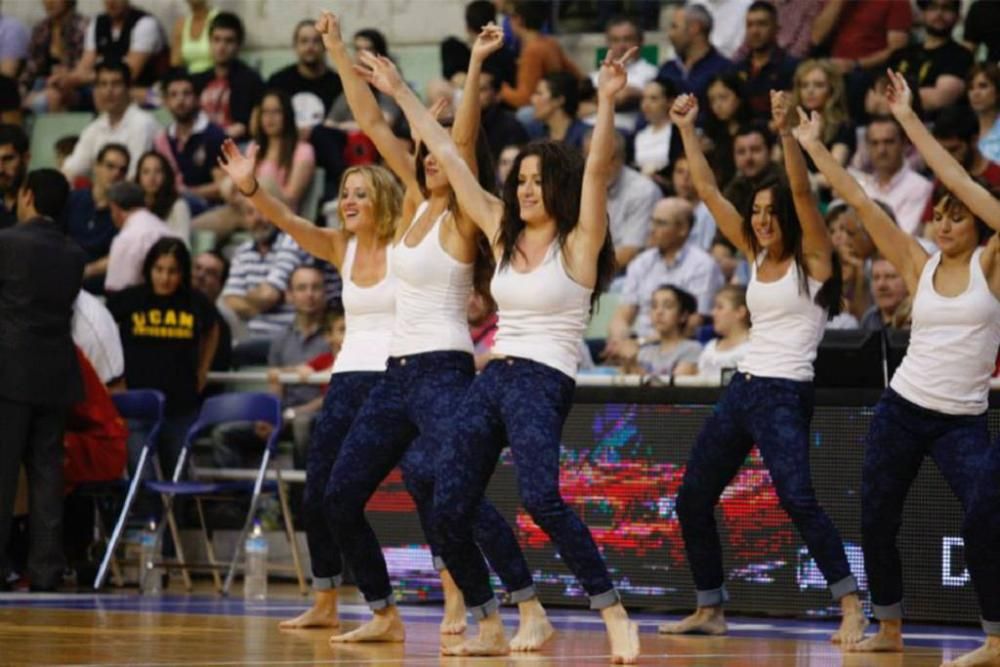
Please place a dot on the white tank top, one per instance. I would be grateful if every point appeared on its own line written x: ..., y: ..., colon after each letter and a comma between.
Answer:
x: 953, y: 345
x: 542, y: 313
x: 786, y: 326
x: 369, y: 313
x: 431, y: 296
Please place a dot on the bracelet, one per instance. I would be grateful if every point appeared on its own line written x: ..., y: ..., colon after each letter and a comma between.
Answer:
x: 256, y: 187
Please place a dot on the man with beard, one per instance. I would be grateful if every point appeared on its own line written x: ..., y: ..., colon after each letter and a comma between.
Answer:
x: 312, y: 85
x: 938, y: 65
x: 14, y: 159
x: 889, y: 290
x: 767, y: 67
x: 697, y: 61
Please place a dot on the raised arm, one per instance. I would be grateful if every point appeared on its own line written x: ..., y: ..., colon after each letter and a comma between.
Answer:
x: 730, y: 222
x: 326, y: 244
x: 901, y: 249
x: 465, y: 131
x: 945, y: 167
x: 484, y: 209
x: 364, y: 106
x: 815, y: 237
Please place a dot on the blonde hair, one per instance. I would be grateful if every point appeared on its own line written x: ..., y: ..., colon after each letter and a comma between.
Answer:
x: 386, y: 194
x: 834, y: 112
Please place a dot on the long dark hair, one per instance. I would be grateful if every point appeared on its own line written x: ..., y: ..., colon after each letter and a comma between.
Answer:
x: 169, y: 245
x: 289, y: 133
x: 562, y: 183
x: 163, y: 199
x: 829, y: 295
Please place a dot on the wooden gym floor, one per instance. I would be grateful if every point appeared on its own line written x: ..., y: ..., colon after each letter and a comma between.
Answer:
x: 204, y: 629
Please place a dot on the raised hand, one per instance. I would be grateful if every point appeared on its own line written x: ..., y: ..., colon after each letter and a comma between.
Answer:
x: 328, y: 26
x: 780, y: 108
x: 380, y: 72
x: 684, y: 113
x: 898, y: 93
x: 489, y: 41
x: 809, y: 131
x: 613, y: 77
x: 240, y: 168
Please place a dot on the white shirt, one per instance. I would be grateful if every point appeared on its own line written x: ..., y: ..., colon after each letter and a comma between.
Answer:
x: 631, y: 198
x: 639, y: 73
x: 146, y: 36
x: 96, y: 334
x: 713, y: 361
x: 652, y: 147
x: 129, y: 248
x: 704, y: 228
x: 136, y: 130
x: 906, y: 193
x: 729, y: 18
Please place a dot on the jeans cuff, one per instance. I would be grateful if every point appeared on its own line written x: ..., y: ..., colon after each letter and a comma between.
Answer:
x: 844, y: 587
x: 382, y: 603
x: 439, y: 565
x: 479, y: 612
x: 990, y: 627
x: 713, y: 598
x: 327, y: 583
x: 522, y: 595
x: 604, y: 600
x: 888, y: 612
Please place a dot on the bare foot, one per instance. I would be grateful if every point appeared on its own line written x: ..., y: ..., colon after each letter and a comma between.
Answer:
x: 385, y: 626
x: 987, y: 655
x: 623, y: 635
x: 453, y: 622
x: 888, y: 639
x: 704, y: 621
x: 852, y: 623
x: 534, y: 629
x: 491, y: 640
x: 323, y: 613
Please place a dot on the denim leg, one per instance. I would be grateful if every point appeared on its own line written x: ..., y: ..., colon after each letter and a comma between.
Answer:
x: 894, y: 452
x: 465, y: 463
x: 718, y: 453
x: 971, y: 466
x: 374, y: 445
x: 779, y: 423
x: 345, y: 395
x: 535, y: 401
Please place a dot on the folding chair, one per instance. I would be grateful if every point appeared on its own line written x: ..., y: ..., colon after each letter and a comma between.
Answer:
x: 236, y: 407
x: 142, y: 405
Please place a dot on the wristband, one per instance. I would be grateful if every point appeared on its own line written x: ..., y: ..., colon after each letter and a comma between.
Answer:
x: 253, y: 191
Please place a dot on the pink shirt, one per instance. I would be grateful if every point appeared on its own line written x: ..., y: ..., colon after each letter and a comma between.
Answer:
x: 269, y: 169
x: 129, y: 248
x: 906, y: 194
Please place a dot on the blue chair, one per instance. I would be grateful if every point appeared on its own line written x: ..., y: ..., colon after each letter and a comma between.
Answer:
x: 236, y: 407
x: 144, y: 405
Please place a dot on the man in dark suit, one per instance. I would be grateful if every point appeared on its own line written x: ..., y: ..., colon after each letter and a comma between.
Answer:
x: 41, y: 271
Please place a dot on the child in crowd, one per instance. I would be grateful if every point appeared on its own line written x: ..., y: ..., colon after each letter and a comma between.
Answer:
x: 670, y: 352
x: 731, y: 321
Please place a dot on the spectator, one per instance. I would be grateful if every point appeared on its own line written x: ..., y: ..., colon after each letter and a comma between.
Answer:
x: 190, y: 44
x: 681, y: 185
x: 295, y: 345
x: 482, y: 314
x: 372, y: 41
x: 311, y: 84
x: 731, y: 322
x: 192, y: 143
x: 862, y: 34
x: 40, y: 275
x: 956, y: 129
x: 13, y: 46
x: 208, y: 274
x: 668, y: 351
x: 95, y: 333
x: 697, y: 61
x: 14, y: 157
x: 126, y: 35
x: 656, y: 145
x: 500, y: 125
x: 121, y: 121
x: 138, y: 231
x: 623, y: 33
x: 540, y: 54
x: 889, y: 291
x: 671, y: 261
x: 455, y: 54
x: 877, y: 106
x: 508, y: 154
x: 62, y: 149
x: 938, y: 64
x: 766, y: 66
x: 819, y: 87
x: 856, y: 292
x: 229, y: 91
x: 893, y: 181
x: 56, y: 44
x: 169, y: 333
x: 794, y: 19
x: 978, y: 29
x: 727, y: 113
x: 752, y: 156
x: 984, y: 84
x: 88, y: 215
x: 631, y: 198
x: 156, y: 178
x: 555, y: 103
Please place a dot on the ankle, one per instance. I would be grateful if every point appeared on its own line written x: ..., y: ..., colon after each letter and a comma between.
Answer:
x: 614, y: 612
x: 892, y: 626
x: 850, y: 603
x: 531, y: 607
x: 492, y: 623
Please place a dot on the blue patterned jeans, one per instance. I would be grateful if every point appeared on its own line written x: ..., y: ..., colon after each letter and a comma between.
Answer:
x: 524, y: 404
x: 775, y: 414
x: 406, y: 420
x: 900, y: 436
x: 345, y: 395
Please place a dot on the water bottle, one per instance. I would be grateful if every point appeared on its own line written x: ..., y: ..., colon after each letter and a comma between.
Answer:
x: 150, y: 576
x: 255, y: 575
